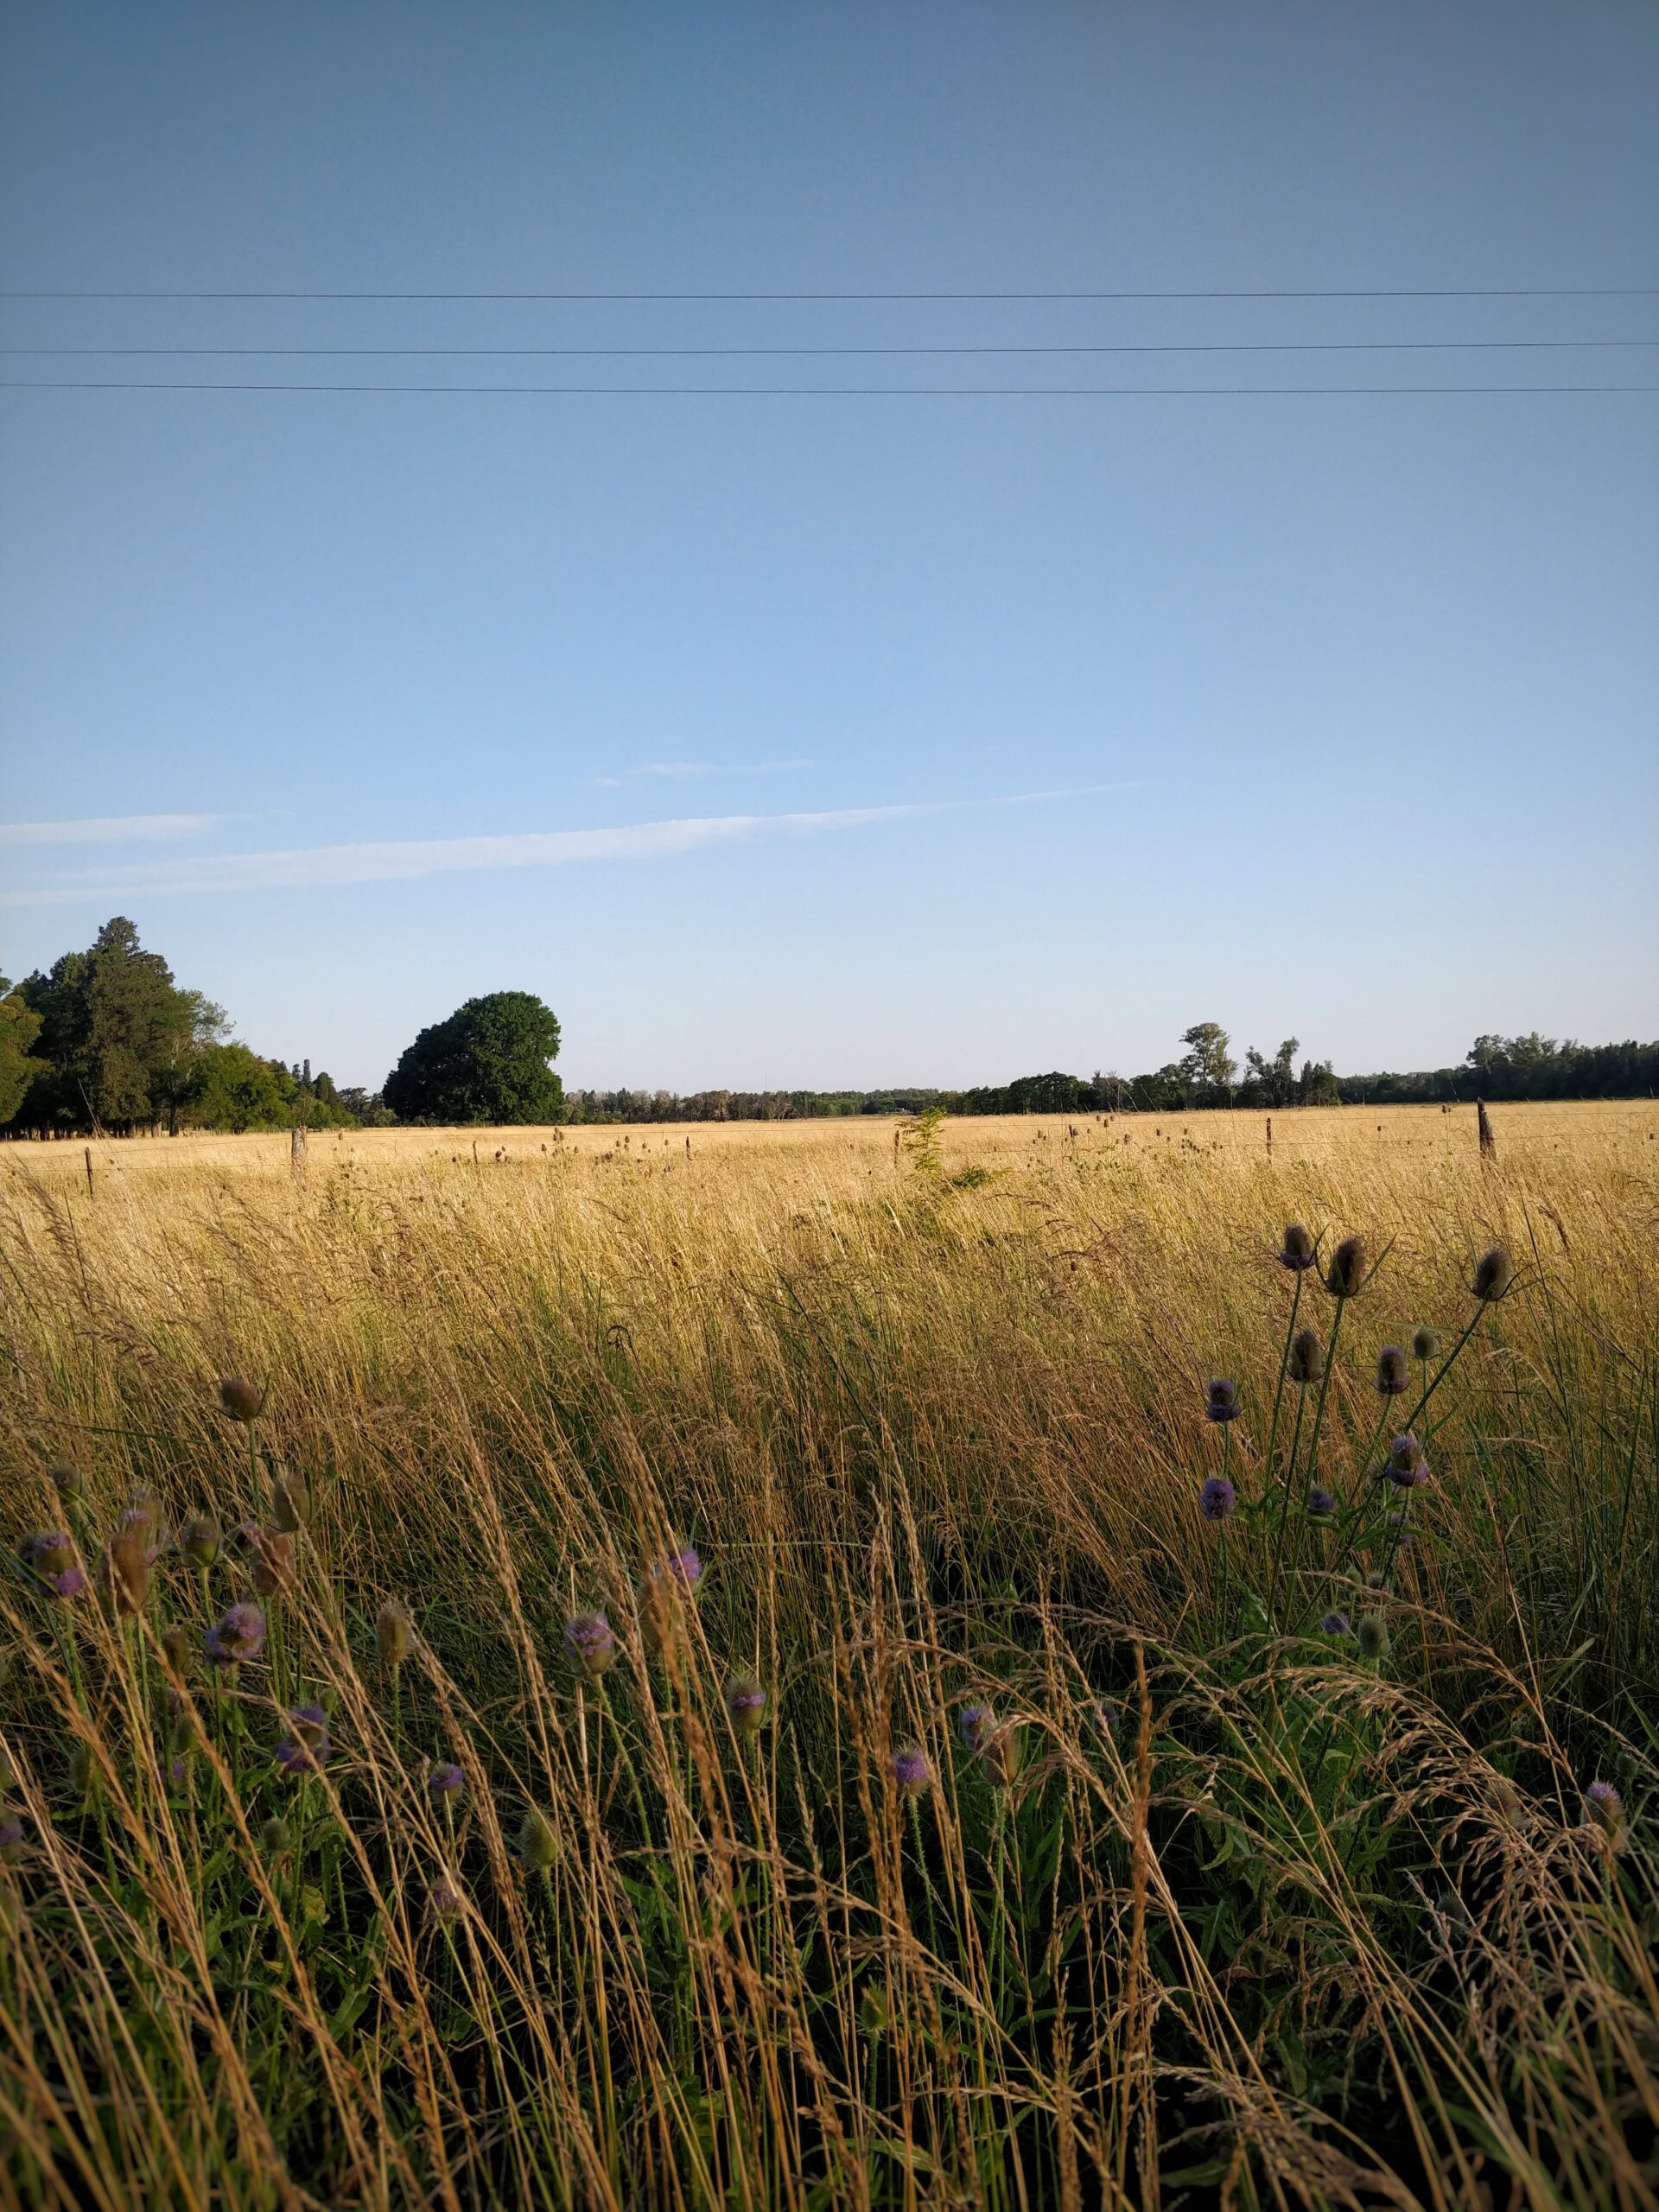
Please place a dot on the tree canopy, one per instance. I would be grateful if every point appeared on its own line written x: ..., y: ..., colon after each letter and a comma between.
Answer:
x: 487, y: 1063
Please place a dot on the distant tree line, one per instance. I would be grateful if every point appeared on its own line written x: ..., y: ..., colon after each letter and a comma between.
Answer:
x: 107, y: 1041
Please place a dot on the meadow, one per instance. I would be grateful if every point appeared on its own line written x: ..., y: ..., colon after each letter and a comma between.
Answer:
x: 833, y: 1665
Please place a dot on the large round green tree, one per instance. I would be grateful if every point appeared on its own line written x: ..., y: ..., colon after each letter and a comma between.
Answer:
x: 487, y: 1063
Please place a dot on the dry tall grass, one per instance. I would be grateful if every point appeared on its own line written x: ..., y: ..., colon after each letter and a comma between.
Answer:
x: 1216, y: 1907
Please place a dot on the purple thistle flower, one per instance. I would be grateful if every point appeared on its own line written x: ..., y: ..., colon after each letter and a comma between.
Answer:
x: 910, y: 1770
x: 1336, y: 1624
x: 974, y: 1725
x: 51, y: 1553
x: 681, y: 1567
x: 305, y: 1750
x: 446, y: 1780
x: 444, y: 1900
x: 70, y: 1583
x: 591, y: 1642
x: 1217, y: 1498
x: 1406, y: 1466
x: 239, y: 1636
x: 1221, y: 1403
x: 1604, y: 1805
x: 1321, y: 1504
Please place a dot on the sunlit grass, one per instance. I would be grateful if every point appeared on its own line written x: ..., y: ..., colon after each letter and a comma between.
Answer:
x: 1197, y: 1897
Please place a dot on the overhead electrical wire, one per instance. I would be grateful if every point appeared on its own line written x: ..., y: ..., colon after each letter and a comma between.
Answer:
x: 848, y: 391
x: 773, y: 352
x: 1401, y: 292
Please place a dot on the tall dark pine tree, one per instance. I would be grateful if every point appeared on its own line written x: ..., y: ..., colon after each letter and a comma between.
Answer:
x: 114, y: 1030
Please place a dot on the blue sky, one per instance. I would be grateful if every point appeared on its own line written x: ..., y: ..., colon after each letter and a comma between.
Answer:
x: 725, y: 722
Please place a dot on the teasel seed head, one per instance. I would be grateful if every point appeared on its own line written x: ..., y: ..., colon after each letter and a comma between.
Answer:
x: 539, y: 1841
x: 974, y: 1725
x: 179, y: 1650
x: 305, y: 1748
x: 1305, y: 1362
x: 1321, y: 1505
x: 1408, y: 1468
x: 124, y: 1569
x: 1392, y: 1377
x: 1298, y: 1250
x: 1425, y: 1343
x: 290, y: 1497
x: 11, y: 1840
x: 1373, y: 1634
x: 910, y: 1770
x: 237, y: 1638
x: 445, y: 1781
x: 745, y: 1700
x: 200, y: 1539
x: 393, y: 1634
x: 1604, y: 1807
x: 591, y: 1642
x: 275, y: 1837
x: 1348, y: 1272
x: 239, y: 1399
x: 1221, y: 1401
x: 66, y: 1479
x: 1494, y: 1276
x: 1217, y: 1498
x: 1003, y: 1753
x: 273, y: 1560
x: 444, y: 1900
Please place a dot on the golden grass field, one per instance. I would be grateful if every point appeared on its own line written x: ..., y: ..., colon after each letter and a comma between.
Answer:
x: 1297, y: 1921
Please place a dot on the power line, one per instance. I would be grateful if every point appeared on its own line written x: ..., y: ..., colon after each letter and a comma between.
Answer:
x: 1401, y: 292
x: 852, y: 391
x: 773, y: 352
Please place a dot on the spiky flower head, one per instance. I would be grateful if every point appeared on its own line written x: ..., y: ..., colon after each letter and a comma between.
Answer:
x: 444, y: 1900
x: 238, y: 1398
x: 1298, y: 1250
x: 125, y: 1570
x: 1408, y: 1468
x: 539, y: 1840
x: 1321, y: 1505
x: 393, y: 1633
x: 1604, y: 1806
x: 1102, y: 1719
x: 237, y: 1638
x: 973, y: 1724
x: 680, y: 1569
x: 1305, y: 1362
x: 1392, y: 1377
x: 66, y: 1479
x: 1346, y: 1275
x: 745, y: 1700
x: 1217, y: 1498
x: 305, y: 1748
x: 910, y: 1770
x: 179, y: 1650
x: 1494, y: 1276
x: 290, y: 1499
x: 1221, y: 1401
x: 446, y: 1780
x: 591, y: 1642
x: 1002, y: 1754
x: 1336, y: 1624
x: 53, y: 1558
x: 1425, y: 1342
x: 1373, y: 1634
x: 275, y: 1836
x: 200, y: 1539
x: 271, y: 1554
x: 11, y: 1840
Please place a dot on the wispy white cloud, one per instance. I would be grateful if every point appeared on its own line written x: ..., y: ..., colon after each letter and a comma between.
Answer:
x: 310, y: 866
x: 700, y: 768
x: 110, y: 829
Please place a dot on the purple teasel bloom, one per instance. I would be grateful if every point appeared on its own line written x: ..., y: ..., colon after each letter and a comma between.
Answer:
x: 1337, y: 1624
x: 745, y: 1700
x: 1321, y: 1504
x: 1298, y: 1250
x: 1407, y: 1468
x: 305, y: 1750
x: 1217, y: 1498
x: 1221, y: 1401
x: 444, y: 1900
x: 237, y: 1638
x: 681, y: 1567
x: 1392, y: 1377
x: 1604, y: 1805
x: 143, y: 1517
x: 446, y: 1780
x: 52, y: 1555
x: 591, y: 1642
x: 1101, y: 1719
x: 910, y: 1770
x: 975, y: 1725
x: 11, y: 1842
